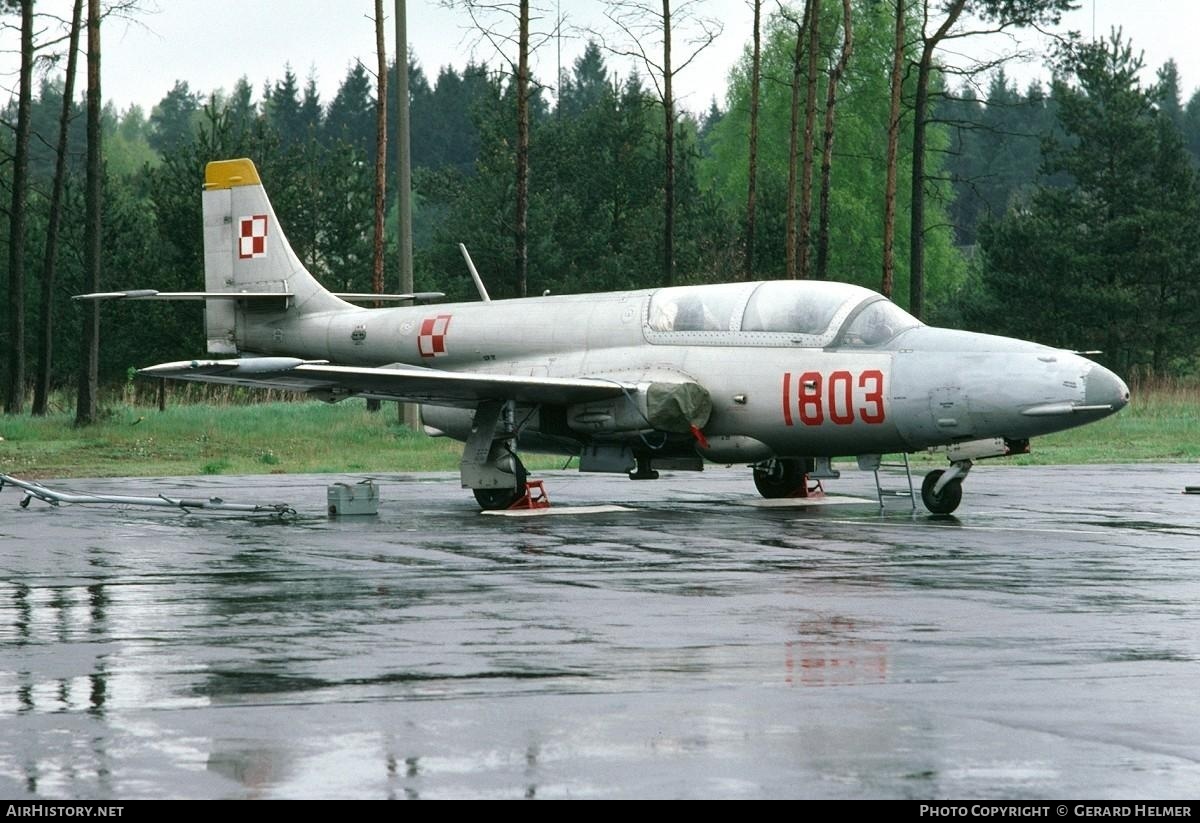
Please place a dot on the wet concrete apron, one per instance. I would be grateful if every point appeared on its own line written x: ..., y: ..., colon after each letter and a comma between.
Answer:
x: 1041, y: 643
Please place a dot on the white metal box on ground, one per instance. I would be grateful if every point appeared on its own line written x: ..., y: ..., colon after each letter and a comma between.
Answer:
x: 357, y: 499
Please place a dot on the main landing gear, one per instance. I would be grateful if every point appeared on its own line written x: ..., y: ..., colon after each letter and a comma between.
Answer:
x: 503, y: 498
x: 782, y: 477
x: 490, y: 467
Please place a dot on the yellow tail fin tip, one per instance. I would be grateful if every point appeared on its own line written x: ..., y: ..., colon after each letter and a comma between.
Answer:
x: 226, y: 174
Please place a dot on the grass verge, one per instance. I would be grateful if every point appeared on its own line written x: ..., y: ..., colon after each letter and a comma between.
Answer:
x: 265, y: 438
x: 1162, y: 424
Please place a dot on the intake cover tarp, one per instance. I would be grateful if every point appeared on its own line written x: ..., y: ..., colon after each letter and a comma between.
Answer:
x: 676, y: 407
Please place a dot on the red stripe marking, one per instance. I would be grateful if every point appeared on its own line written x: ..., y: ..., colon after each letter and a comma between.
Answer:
x: 787, y: 403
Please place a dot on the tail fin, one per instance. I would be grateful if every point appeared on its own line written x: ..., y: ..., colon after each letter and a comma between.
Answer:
x: 245, y: 250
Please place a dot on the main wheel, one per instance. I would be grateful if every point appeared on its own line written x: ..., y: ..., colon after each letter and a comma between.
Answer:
x: 779, y: 477
x: 491, y: 499
x: 502, y: 498
x: 945, y: 502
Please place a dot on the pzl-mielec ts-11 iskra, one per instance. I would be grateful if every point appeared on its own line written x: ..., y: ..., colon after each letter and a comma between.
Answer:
x: 779, y: 375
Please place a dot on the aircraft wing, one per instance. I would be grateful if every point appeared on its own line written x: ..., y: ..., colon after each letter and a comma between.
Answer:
x: 397, y: 382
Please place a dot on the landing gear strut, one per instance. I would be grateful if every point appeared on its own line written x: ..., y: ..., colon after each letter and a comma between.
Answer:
x: 643, y: 470
x: 490, y: 467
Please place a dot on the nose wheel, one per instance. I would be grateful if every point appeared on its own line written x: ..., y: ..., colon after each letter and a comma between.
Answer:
x: 945, y: 499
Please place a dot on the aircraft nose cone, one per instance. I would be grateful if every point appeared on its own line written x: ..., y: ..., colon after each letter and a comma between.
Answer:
x: 1103, y: 388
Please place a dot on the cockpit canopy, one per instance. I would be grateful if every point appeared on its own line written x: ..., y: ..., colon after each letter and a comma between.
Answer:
x: 813, y: 313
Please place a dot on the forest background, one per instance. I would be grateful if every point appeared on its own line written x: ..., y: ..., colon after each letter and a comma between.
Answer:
x: 1067, y: 212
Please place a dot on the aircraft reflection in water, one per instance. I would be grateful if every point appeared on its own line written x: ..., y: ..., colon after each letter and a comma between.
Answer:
x: 781, y: 375
x: 33, y: 619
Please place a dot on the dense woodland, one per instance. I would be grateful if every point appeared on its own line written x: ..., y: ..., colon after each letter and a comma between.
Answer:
x: 1067, y: 213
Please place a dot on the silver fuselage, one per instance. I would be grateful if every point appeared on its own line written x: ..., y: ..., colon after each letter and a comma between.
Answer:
x: 924, y: 387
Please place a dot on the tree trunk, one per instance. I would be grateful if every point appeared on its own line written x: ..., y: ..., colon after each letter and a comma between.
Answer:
x: 86, y: 406
x: 380, y: 150
x: 793, y: 152
x: 810, y: 113
x: 669, y: 134
x: 522, y: 222
x: 893, y: 147
x: 755, y: 82
x: 916, y: 235
x: 403, y: 152
x: 15, y: 401
x: 380, y: 166
x: 410, y: 413
x: 835, y: 77
x: 916, y: 283
x: 41, y: 392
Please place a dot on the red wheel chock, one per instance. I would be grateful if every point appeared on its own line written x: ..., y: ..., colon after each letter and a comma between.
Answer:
x: 805, y: 490
x: 535, y: 497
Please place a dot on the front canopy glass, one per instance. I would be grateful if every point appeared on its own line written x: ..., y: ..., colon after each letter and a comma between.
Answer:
x: 794, y: 312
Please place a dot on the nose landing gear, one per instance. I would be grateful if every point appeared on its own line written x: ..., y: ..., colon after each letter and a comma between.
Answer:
x: 947, y: 499
x: 941, y: 491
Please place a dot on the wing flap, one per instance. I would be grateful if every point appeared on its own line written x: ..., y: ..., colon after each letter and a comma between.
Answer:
x: 396, y: 382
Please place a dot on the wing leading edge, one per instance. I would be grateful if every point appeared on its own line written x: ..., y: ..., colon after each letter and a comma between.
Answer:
x: 396, y: 382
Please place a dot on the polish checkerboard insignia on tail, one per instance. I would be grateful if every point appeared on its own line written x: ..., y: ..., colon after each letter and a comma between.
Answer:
x: 252, y: 237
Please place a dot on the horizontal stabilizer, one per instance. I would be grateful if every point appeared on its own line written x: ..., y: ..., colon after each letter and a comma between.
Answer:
x: 151, y: 294
x: 419, y: 297
x: 396, y: 382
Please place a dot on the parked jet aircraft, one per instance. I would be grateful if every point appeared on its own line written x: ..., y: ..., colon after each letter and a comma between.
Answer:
x: 780, y: 375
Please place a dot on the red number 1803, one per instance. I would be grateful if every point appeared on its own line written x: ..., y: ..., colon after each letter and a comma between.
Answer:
x: 812, y: 397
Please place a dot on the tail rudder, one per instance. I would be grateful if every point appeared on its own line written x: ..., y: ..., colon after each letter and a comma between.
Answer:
x: 245, y: 250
